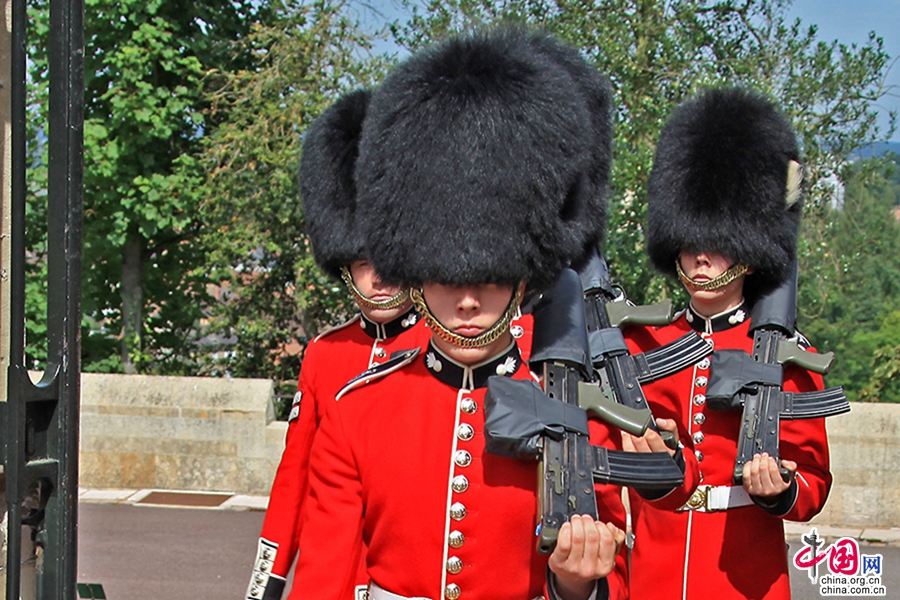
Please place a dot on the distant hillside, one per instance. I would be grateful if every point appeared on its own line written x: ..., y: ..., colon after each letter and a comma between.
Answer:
x: 878, y: 149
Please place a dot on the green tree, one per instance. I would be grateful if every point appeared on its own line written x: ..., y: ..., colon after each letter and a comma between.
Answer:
x: 258, y: 255
x: 144, y: 65
x: 858, y: 297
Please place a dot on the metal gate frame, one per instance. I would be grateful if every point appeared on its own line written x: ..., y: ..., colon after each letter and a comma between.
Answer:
x: 40, y: 422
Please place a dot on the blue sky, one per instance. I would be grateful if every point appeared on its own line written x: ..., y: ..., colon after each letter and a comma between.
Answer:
x: 850, y: 21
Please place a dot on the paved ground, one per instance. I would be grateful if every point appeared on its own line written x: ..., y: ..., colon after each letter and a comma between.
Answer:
x: 140, y: 552
x: 151, y: 553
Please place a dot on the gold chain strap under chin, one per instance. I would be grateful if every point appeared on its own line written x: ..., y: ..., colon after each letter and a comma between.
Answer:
x: 480, y: 340
x: 393, y: 302
x: 729, y: 275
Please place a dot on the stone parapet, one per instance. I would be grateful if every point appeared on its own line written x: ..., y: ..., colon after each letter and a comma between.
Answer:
x: 179, y: 433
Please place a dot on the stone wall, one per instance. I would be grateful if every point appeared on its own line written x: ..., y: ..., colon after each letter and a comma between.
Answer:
x: 204, y: 434
x: 865, y: 462
x: 179, y: 433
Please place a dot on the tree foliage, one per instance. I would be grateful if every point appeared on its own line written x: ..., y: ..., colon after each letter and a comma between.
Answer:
x: 858, y: 299
x: 258, y: 255
x: 144, y: 64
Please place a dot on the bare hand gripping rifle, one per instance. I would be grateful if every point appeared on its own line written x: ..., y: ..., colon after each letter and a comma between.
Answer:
x: 754, y: 383
x: 619, y: 399
x: 524, y: 421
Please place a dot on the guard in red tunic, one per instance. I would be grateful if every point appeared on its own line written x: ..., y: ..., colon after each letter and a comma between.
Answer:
x: 387, y: 323
x: 723, y: 217
x: 475, y: 165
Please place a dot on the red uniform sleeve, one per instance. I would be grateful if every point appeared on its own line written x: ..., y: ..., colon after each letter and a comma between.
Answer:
x: 282, y: 518
x: 331, y: 534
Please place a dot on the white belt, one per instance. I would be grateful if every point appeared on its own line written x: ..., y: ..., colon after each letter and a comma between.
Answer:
x: 376, y: 592
x: 708, y: 498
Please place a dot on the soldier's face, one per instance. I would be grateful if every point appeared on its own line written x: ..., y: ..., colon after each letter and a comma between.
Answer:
x: 469, y: 310
x: 370, y: 285
x: 704, y: 266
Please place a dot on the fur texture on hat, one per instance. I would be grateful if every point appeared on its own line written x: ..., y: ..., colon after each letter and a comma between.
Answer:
x: 719, y: 182
x: 476, y: 165
x: 327, y: 185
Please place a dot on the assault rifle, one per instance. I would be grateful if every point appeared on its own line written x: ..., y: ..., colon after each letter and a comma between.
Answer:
x: 619, y: 399
x: 754, y: 383
x: 526, y: 422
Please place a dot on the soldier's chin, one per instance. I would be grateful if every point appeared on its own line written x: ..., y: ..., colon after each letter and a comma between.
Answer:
x: 469, y: 356
x: 383, y: 315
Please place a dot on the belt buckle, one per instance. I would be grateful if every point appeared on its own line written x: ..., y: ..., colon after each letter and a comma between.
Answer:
x: 699, y: 499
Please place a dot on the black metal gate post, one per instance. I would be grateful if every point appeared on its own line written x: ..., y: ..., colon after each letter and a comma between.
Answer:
x: 40, y: 422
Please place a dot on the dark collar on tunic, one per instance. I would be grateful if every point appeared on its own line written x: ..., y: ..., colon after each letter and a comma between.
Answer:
x: 383, y: 331
x: 720, y: 322
x: 460, y: 376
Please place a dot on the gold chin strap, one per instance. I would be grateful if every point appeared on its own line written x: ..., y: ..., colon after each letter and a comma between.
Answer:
x: 393, y: 302
x: 478, y: 341
x: 729, y: 275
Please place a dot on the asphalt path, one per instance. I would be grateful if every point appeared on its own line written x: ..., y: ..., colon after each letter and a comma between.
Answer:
x: 147, y: 553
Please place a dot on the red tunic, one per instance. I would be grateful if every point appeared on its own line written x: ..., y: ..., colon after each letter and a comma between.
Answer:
x: 330, y: 361
x: 399, y: 464
x: 737, y: 553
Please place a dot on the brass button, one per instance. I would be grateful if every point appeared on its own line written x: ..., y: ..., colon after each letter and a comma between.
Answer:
x: 457, y: 539
x: 459, y: 484
x: 699, y: 455
x: 703, y: 364
x: 699, y: 419
x: 468, y: 406
x: 698, y: 437
x: 701, y: 381
x: 699, y: 400
x: 454, y: 565
x: 517, y: 331
x: 458, y: 511
x: 379, y: 352
x: 462, y: 458
x: 452, y: 592
x: 465, y: 432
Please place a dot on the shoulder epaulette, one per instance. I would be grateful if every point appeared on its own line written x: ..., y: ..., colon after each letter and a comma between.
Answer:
x: 397, y: 361
x: 343, y: 325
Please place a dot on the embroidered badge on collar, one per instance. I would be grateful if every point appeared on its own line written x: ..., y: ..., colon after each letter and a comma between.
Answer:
x: 737, y: 317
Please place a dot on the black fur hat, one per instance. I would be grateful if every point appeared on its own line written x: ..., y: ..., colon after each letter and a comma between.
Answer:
x: 327, y: 185
x: 720, y: 181
x: 477, y: 164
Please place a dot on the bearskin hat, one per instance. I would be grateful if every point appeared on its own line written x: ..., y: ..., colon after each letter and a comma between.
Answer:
x: 327, y: 185
x: 720, y: 181
x: 476, y: 165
